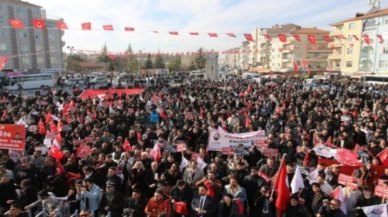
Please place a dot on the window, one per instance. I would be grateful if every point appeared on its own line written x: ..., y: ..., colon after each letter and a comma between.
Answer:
x: 51, y: 37
x: 26, y: 60
x: 385, y: 21
x: 370, y: 25
x: 23, y: 34
x: 37, y: 35
x: 349, y: 64
x: 3, y: 46
x: 385, y: 50
x: 350, y: 37
x: 1, y: 19
x: 40, y: 60
x: 383, y: 64
x: 352, y: 25
x: 349, y: 50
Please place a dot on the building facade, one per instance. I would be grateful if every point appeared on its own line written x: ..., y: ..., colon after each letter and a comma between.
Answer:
x: 232, y: 58
x: 284, y: 54
x: 212, y: 66
x: 244, y: 61
x: 29, y: 49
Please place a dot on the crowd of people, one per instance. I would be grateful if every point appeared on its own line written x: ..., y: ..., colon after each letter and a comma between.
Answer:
x: 117, y: 155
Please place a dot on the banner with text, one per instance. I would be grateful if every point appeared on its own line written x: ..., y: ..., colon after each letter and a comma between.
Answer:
x: 219, y: 139
x: 12, y: 136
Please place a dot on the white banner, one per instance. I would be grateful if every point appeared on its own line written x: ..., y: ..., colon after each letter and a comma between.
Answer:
x: 376, y: 210
x: 324, y: 151
x: 219, y: 139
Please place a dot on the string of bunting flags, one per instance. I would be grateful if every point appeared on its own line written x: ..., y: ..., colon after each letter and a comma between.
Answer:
x: 188, y: 53
x: 87, y: 26
x: 31, y: 54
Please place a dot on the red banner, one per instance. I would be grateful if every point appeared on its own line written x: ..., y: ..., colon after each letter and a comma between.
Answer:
x: 181, y: 147
x: 227, y: 150
x: 347, y: 180
x: 101, y: 93
x: 382, y: 192
x: 12, y: 136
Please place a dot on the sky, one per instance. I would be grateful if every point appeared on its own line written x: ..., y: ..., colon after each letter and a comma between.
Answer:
x: 203, y: 16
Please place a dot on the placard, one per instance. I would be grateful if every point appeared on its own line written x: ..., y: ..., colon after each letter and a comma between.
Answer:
x: 271, y: 152
x: 305, y: 170
x: 78, y: 142
x: 42, y: 149
x: 363, y: 156
x: 181, y: 147
x: 227, y: 150
x: 51, y: 135
x: 262, y: 143
x: 382, y: 192
x: 170, y: 148
x: 12, y: 136
x: 241, y: 151
x: 347, y: 180
x: 89, y: 139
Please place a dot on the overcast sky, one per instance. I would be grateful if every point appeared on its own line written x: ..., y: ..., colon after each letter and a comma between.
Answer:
x: 203, y: 16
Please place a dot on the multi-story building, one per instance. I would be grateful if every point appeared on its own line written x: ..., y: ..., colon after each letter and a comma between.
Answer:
x: 264, y: 45
x: 28, y: 48
x: 244, y: 49
x: 346, y: 46
x: 284, y: 54
x: 232, y: 58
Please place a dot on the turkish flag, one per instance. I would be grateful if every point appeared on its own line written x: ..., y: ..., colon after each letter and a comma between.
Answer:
x: 366, y: 39
x: 156, y: 153
x: 173, y: 33
x: 181, y: 208
x: 384, y: 157
x: 55, y: 152
x: 268, y: 37
x: 297, y: 37
x: 71, y: 175
x: 380, y: 37
x: 231, y: 35
x: 282, y: 188
x: 3, y: 62
x: 83, y: 151
x: 296, y: 68
x: 41, y: 127
x: 86, y: 26
x: 129, y: 29
x: 312, y: 39
x: 53, y: 128
x: 248, y: 37
x: 282, y: 37
x: 347, y: 157
x: 356, y: 38
x: 212, y: 35
x: 61, y: 25
x: 39, y: 24
x: 49, y: 118
x: 59, y: 170
x: 193, y: 33
x: 16, y: 23
x: 59, y: 125
x: 127, y: 146
x: 108, y: 27
x: 264, y: 176
x: 327, y: 38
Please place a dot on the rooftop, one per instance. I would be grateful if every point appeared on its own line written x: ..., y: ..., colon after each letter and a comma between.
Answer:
x: 379, y: 13
x: 23, y: 3
x: 310, y: 31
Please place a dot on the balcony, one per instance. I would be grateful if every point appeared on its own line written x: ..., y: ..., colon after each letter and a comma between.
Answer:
x: 336, y: 33
x: 335, y: 56
x: 333, y: 68
x: 335, y: 44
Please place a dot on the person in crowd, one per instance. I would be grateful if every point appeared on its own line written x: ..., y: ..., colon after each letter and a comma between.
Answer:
x: 296, y: 209
x: 136, y: 204
x: 112, y: 201
x: 227, y: 207
x: 193, y: 174
x: 204, y: 205
x: 332, y: 209
x: 89, y: 196
x: 158, y: 203
x: 315, y: 198
x: 182, y: 193
x: 16, y: 210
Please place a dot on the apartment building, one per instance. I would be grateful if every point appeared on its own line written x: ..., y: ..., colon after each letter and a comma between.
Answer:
x: 232, y: 57
x: 244, y: 54
x: 21, y: 45
x: 264, y: 45
x: 346, y: 46
x: 284, y: 54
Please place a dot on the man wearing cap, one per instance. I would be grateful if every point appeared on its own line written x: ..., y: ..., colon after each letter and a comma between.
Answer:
x: 111, y: 201
x: 295, y: 209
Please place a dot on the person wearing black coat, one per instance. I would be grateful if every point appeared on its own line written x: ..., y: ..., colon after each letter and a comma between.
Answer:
x: 181, y: 192
x: 8, y: 192
x: 295, y: 209
x: 367, y: 199
x: 28, y: 194
x: 252, y: 183
x: 112, y: 201
x: 113, y: 177
x: 314, y: 198
x: 332, y: 210
x: 56, y: 185
x: 227, y: 207
x: 136, y: 204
